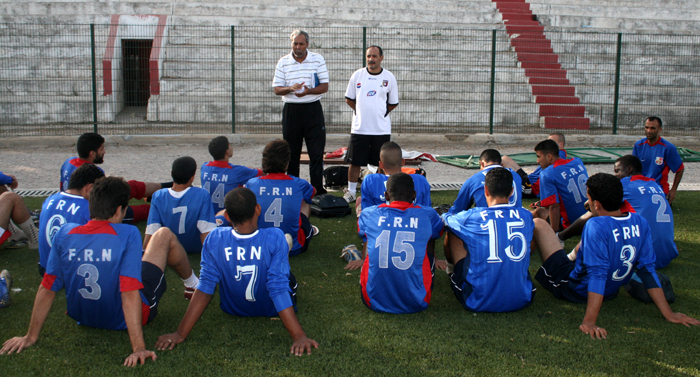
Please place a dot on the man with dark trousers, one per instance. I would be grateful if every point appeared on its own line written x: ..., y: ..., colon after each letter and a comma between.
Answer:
x: 301, y: 78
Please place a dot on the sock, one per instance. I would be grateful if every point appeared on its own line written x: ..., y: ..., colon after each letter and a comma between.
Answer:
x: 192, y: 281
x: 16, y: 234
x: 352, y: 186
x: 30, y: 230
x: 166, y: 184
x: 523, y: 175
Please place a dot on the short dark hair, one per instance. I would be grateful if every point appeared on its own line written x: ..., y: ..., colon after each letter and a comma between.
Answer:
x: 560, y: 136
x: 400, y: 187
x: 381, y: 52
x: 108, y: 194
x: 87, y: 143
x: 606, y: 189
x: 391, y: 154
x: 631, y: 161
x: 218, y: 147
x: 84, y: 175
x: 655, y: 119
x: 547, y: 147
x: 490, y: 155
x: 240, y: 205
x: 499, y: 181
x: 276, y: 157
x: 183, y: 169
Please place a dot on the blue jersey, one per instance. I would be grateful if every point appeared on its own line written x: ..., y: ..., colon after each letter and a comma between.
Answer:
x: 611, y: 249
x: 649, y: 201
x: 187, y: 213
x: 658, y: 159
x: 564, y: 182
x: 252, y: 271
x: 59, y: 209
x: 95, y: 263
x: 280, y: 197
x: 472, y: 191
x: 374, y: 186
x: 534, y: 177
x: 497, y: 240
x: 220, y: 177
x: 397, y: 276
x: 69, y: 167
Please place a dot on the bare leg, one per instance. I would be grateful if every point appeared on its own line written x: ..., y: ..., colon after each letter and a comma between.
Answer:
x: 306, y: 209
x: 354, y: 173
x: 540, y: 213
x: 12, y: 207
x: 576, y: 228
x: 545, y: 239
x: 151, y: 187
x: 508, y: 162
x: 165, y: 250
x: 454, y: 249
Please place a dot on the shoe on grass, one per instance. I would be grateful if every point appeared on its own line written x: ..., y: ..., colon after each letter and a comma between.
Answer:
x: 349, y: 197
x: 350, y: 253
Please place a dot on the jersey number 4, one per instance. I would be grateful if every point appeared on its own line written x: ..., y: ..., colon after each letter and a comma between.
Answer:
x: 217, y: 196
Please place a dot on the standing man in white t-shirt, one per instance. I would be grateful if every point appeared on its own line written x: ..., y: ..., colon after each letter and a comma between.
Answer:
x: 372, y: 93
x: 301, y: 77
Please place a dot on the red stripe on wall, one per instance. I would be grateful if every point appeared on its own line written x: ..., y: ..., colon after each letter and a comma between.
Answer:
x: 155, y: 55
x: 109, y: 54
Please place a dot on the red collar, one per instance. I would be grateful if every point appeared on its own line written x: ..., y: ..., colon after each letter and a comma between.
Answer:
x: 640, y: 177
x: 94, y: 227
x: 562, y: 161
x: 398, y: 205
x: 277, y: 176
x: 219, y: 164
x: 660, y: 141
x: 79, y: 162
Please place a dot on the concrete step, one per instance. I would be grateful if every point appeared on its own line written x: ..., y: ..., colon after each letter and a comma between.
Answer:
x: 610, y: 10
x: 565, y: 123
x: 622, y: 24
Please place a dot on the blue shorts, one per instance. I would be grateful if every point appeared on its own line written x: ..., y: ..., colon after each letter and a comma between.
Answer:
x: 554, y: 277
x: 154, y: 286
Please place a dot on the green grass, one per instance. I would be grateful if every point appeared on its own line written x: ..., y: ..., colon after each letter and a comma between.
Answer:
x: 443, y: 340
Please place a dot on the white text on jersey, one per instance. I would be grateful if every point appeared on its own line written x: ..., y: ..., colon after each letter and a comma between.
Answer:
x: 573, y: 171
x: 88, y: 253
x: 59, y: 206
x: 216, y: 177
x: 240, y: 253
x: 627, y: 232
x: 513, y: 214
x: 276, y: 191
x: 412, y: 222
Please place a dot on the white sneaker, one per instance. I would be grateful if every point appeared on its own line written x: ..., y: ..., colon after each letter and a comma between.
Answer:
x: 349, y: 197
x: 562, y: 242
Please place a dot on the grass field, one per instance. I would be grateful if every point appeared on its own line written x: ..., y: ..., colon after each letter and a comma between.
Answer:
x: 542, y: 339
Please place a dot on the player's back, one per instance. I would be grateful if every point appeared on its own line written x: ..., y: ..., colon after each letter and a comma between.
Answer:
x: 94, y: 262
x: 497, y: 240
x: 374, y: 186
x: 472, y: 191
x: 57, y: 210
x: 67, y: 169
x: 187, y: 213
x: 649, y: 201
x: 252, y: 271
x: 280, y: 197
x: 564, y: 182
x: 397, y: 276
x: 220, y: 177
x: 611, y: 248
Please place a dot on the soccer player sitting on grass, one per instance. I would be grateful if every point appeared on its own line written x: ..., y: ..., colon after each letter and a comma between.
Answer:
x: 70, y: 206
x: 109, y: 283
x: 472, y: 191
x: 186, y: 210
x: 489, y: 249
x: 531, y: 182
x: 251, y: 267
x: 398, y: 250
x: 562, y: 185
x: 374, y: 185
x: 284, y: 199
x: 12, y: 208
x: 91, y: 150
x: 613, y: 246
x: 219, y: 176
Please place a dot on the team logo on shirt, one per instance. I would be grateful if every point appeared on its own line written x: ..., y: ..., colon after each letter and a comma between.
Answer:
x: 659, y: 161
x: 359, y: 85
x: 385, y: 83
x: 54, y: 225
x: 371, y: 93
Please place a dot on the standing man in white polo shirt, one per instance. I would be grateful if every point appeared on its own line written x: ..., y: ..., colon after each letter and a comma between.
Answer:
x: 301, y: 77
x: 372, y: 93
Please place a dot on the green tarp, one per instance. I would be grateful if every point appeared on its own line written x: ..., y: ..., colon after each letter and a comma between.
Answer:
x: 587, y: 155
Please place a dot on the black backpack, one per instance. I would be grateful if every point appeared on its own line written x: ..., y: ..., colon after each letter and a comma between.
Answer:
x: 328, y: 205
x: 336, y: 176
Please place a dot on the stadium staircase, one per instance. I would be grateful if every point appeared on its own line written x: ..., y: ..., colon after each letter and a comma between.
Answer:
x: 559, y: 107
